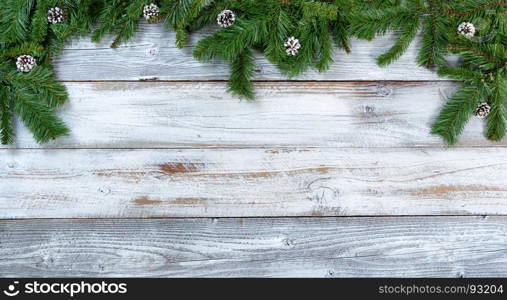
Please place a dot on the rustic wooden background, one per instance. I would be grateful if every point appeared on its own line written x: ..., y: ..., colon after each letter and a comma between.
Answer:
x: 333, y: 174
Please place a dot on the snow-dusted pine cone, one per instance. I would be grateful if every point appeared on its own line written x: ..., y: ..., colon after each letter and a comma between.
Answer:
x: 25, y: 63
x: 467, y: 29
x: 292, y: 46
x: 226, y: 18
x: 55, y: 15
x: 151, y: 11
x: 482, y: 110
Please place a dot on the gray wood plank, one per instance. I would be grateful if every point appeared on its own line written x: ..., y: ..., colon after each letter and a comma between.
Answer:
x: 273, y: 247
x: 252, y: 182
x: 152, y: 55
x: 286, y: 114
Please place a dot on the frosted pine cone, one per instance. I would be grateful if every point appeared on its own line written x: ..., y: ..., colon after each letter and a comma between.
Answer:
x: 226, y: 18
x: 25, y: 63
x: 467, y: 29
x: 55, y: 15
x: 292, y: 46
x: 151, y: 11
x: 482, y: 110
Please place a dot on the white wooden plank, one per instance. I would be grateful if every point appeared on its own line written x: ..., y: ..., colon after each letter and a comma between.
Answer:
x: 152, y: 54
x: 324, y: 114
x: 300, y: 247
x: 252, y: 182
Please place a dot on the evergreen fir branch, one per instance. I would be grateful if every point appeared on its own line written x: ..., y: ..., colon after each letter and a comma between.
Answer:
x: 193, y: 11
x: 308, y: 55
x: 42, y: 82
x: 478, y: 5
x: 82, y: 14
x: 177, y: 12
x: 321, y: 10
x: 340, y: 34
x: 129, y: 22
x: 434, y: 42
x: 456, y: 112
x: 460, y: 73
x: 229, y: 42
x: 31, y: 48
x: 325, y: 50
x: 181, y: 37
x: 484, y: 57
x: 15, y: 19
x: 40, y: 21
x: 498, y: 116
x: 208, y: 15
x: 366, y: 24
x: 263, y: 26
x: 280, y: 28
x: 107, y: 17
x: 408, y: 33
x: 241, y: 75
x: 6, y: 122
x: 41, y: 120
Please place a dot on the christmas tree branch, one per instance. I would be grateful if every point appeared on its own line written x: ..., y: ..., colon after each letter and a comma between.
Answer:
x: 295, y: 35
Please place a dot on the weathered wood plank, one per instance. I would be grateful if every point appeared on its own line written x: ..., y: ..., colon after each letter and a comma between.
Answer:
x: 252, y: 182
x: 319, y: 114
x: 294, y: 247
x: 152, y: 54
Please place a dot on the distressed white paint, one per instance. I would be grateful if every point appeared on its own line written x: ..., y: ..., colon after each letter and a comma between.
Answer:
x: 294, y: 247
x: 252, y: 182
x: 349, y: 149
x: 152, y: 54
x: 316, y: 114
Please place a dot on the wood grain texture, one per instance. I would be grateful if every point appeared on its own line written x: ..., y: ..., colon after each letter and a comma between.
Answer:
x: 152, y: 54
x: 302, y: 149
x: 202, y: 115
x: 294, y: 247
x: 252, y: 182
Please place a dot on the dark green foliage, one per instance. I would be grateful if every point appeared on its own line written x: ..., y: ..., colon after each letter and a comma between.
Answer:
x: 498, y: 115
x: 484, y: 56
x: 241, y: 75
x: 483, y: 71
x: 262, y: 27
x: 407, y: 17
x: 120, y: 18
x: 457, y: 111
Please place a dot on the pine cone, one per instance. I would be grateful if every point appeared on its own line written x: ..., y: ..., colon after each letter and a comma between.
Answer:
x: 151, y: 11
x: 25, y: 63
x: 292, y: 46
x: 226, y: 18
x: 467, y: 29
x: 55, y: 15
x: 482, y: 110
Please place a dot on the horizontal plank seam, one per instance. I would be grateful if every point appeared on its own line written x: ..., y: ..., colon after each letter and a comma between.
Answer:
x: 262, y: 81
x: 263, y: 217
x: 260, y: 148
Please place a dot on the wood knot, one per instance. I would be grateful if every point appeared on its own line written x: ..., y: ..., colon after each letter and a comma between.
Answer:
x: 153, y: 51
x: 383, y: 91
x: 288, y: 242
x: 324, y: 194
x: 104, y: 190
